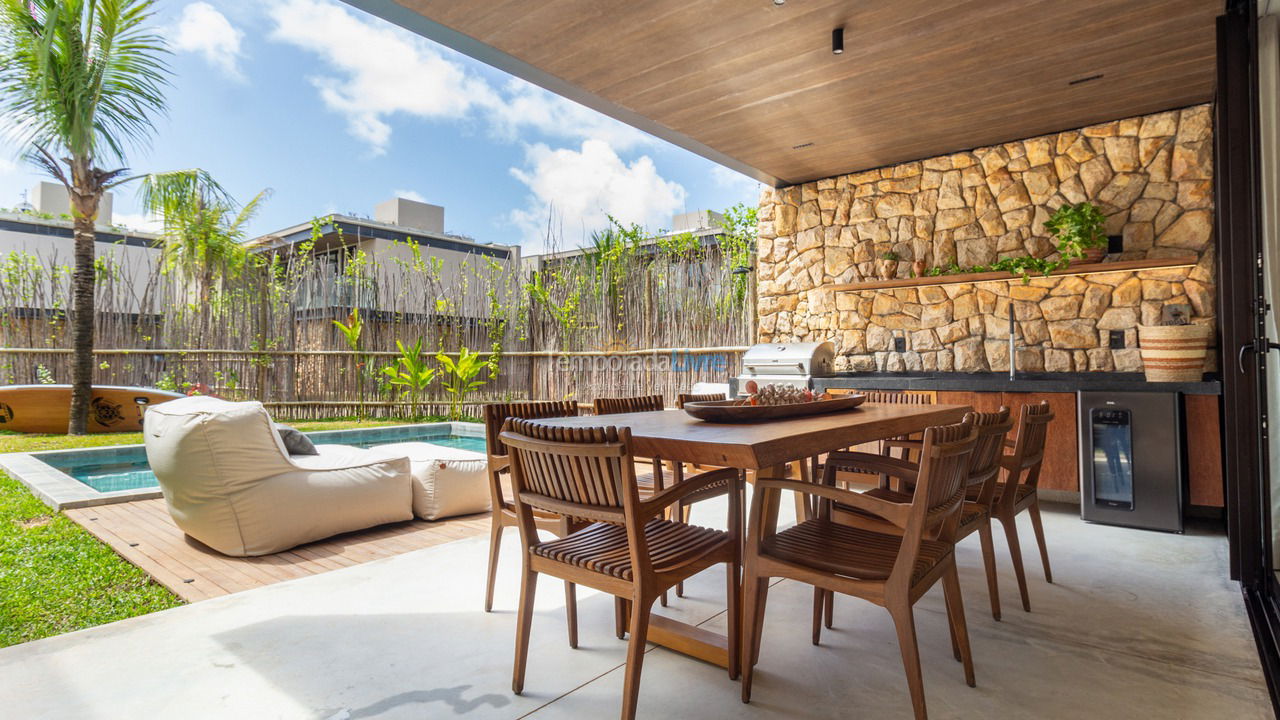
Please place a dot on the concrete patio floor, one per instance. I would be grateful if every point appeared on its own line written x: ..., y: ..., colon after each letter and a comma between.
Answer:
x: 1139, y: 624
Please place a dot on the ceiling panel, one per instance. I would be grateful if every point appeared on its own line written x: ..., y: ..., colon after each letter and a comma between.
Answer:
x: 744, y: 82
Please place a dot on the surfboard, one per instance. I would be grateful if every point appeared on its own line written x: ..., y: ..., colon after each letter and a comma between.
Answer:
x: 47, y: 408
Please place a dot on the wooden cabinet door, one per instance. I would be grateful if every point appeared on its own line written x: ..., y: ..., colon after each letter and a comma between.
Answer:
x: 1061, y: 468
x: 1204, y: 450
x: 979, y: 401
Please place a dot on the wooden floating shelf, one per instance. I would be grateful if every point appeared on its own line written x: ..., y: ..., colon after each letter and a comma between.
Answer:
x: 1164, y: 263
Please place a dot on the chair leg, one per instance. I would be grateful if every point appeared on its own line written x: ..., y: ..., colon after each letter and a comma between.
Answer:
x: 1038, y: 527
x: 989, y: 560
x: 733, y: 591
x: 955, y: 617
x: 635, y: 656
x: 951, y: 626
x: 495, y: 545
x: 682, y: 512
x: 619, y: 617
x: 571, y: 612
x: 753, y: 591
x: 528, y: 587
x: 904, y: 622
x: 1015, y: 553
x: 819, y: 606
x: 829, y: 609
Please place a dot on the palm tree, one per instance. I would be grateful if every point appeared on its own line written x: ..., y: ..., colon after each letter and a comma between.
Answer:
x: 80, y: 80
x: 204, y: 228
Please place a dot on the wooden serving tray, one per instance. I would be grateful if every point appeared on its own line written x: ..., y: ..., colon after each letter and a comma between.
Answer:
x: 729, y: 411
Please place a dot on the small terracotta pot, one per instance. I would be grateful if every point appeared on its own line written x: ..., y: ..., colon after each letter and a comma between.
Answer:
x: 919, y: 267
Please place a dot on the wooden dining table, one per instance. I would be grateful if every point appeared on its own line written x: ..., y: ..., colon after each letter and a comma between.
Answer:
x: 763, y: 447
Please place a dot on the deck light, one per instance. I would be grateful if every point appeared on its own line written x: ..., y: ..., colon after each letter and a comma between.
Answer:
x: 837, y: 41
x: 779, y: 3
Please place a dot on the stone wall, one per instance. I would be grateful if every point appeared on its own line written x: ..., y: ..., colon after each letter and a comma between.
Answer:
x: 1151, y: 175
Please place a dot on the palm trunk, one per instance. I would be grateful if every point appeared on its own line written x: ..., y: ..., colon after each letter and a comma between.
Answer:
x: 82, y: 317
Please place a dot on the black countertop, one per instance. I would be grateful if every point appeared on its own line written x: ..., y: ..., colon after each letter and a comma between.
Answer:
x: 1025, y: 382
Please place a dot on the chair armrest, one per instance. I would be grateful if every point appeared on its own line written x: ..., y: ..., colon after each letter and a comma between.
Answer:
x: 703, y: 485
x: 893, y: 512
x: 908, y: 444
x: 872, y: 463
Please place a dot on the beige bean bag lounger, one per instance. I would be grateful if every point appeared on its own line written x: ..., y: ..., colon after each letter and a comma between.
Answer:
x: 230, y: 483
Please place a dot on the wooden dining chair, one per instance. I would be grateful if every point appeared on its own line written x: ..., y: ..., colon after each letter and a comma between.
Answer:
x: 642, y: 403
x: 629, y: 550
x: 683, y: 398
x: 1018, y: 490
x: 975, y: 515
x: 504, y: 512
x: 890, y: 570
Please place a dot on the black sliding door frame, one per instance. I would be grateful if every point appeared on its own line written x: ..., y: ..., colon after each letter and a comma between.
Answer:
x: 1242, y: 332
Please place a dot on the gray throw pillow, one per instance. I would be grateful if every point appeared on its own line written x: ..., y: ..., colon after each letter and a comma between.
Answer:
x: 296, y: 442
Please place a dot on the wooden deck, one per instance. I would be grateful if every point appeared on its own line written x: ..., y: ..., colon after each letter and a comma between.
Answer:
x: 142, y: 533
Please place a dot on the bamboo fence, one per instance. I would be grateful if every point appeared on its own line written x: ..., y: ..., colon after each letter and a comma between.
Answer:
x: 645, y: 322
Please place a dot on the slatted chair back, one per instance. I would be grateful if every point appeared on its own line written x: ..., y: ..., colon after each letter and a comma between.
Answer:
x: 899, y: 397
x: 935, y: 505
x: 1028, y: 448
x: 586, y: 473
x: 643, y: 403
x: 683, y: 398
x: 984, y: 468
x: 495, y: 414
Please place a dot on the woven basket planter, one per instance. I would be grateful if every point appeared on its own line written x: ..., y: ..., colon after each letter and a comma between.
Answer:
x: 1173, y: 353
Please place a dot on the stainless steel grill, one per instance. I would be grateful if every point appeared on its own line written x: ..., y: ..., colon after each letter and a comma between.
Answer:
x: 786, y: 364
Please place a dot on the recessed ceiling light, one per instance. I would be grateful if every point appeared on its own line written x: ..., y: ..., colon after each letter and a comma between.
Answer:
x: 837, y: 41
x: 779, y: 3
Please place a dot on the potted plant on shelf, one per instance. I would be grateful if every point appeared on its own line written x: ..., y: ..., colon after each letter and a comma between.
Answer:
x: 1174, y: 350
x: 888, y: 265
x: 1078, y: 231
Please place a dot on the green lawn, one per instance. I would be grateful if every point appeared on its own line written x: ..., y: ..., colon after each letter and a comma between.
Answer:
x: 54, y: 576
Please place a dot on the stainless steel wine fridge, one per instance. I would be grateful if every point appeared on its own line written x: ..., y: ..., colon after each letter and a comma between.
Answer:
x: 1131, y: 459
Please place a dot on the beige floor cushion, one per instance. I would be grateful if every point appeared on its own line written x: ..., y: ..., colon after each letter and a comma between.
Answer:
x: 229, y: 483
x: 446, y: 481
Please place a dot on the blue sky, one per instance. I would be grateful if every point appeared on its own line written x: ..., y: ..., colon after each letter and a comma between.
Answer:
x: 335, y: 110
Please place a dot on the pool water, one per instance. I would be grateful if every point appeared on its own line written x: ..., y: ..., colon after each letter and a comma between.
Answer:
x: 125, y: 468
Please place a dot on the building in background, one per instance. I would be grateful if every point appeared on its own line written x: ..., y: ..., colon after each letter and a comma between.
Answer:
x: 38, y: 235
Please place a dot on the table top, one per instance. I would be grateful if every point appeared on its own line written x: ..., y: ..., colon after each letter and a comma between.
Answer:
x: 675, y: 435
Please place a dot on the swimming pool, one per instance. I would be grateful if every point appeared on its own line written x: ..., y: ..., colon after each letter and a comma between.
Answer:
x: 111, y: 474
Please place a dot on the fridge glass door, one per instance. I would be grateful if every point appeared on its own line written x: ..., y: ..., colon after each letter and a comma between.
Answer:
x: 1112, y: 458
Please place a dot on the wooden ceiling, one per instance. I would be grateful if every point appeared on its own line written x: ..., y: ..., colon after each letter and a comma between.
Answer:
x: 756, y: 87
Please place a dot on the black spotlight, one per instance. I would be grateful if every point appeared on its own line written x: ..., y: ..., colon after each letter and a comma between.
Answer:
x: 837, y: 41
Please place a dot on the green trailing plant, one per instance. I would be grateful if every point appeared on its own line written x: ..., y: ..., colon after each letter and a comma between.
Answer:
x: 890, y: 256
x: 1077, y: 229
x: 351, y: 332
x: 79, y: 81
x: 461, y: 376
x: 411, y: 372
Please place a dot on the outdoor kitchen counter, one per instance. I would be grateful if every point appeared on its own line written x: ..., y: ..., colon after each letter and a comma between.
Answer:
x: 1025, y: 382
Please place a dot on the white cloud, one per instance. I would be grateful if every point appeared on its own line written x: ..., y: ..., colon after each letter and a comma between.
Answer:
x: 138, y: 221
x: 409, y: 195
x: 202, y: 29
x: 380, y: 69
x: 377, y: 70
x: 529, y: 106
x: 748, y: 188
x: 579, y: 189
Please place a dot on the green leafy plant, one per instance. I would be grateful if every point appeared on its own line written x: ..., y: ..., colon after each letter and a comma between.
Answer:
x: 79, y: 81
x: 461, y: 376
x: 351, y: 332
x: 410, y: 372
x: 890, y: 255
x: 1077, y: 229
